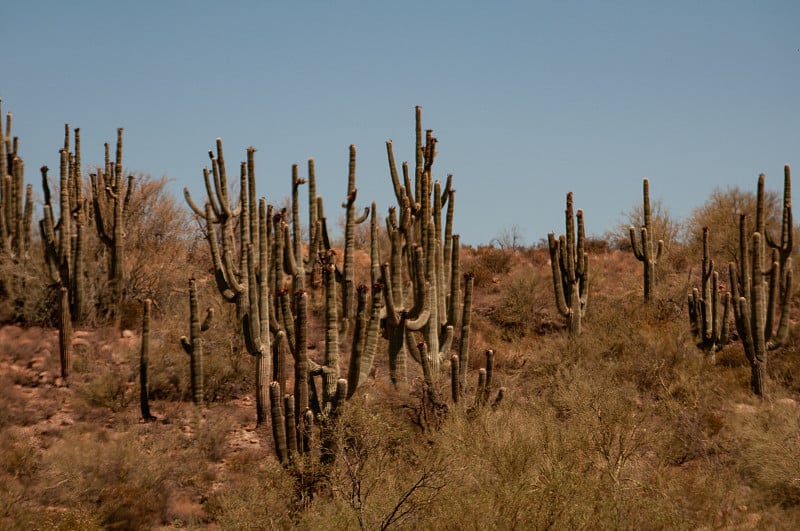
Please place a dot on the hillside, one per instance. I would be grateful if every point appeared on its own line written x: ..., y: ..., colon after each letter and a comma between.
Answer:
x: 627, y: 426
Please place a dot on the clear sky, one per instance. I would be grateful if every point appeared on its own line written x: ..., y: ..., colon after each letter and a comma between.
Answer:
x: 528, y: 99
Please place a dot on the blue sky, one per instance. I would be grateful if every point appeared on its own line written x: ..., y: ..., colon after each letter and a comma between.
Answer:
x: 529, y: 100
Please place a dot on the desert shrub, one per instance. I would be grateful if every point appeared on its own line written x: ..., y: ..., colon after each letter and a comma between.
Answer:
x: 113, y: 477
x: 382, y: 476
x: 720, y: 213
x: 261, y: 499
x: 112, y: 389
x: 486, y: 263
x: 523, y: 304
x: 770, y: 454
x: 159, y: 236
x: 17, y: 408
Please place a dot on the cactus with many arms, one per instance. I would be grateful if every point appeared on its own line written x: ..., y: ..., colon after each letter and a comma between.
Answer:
x: 64, y: 253
x: 193, y: 345
x: 758, y: 291
x: 111, y: 197
x: 710, y: 328
x: 424, y: 253
x: 644, y: 249
x: 570, y: 266
x: 16, y: 213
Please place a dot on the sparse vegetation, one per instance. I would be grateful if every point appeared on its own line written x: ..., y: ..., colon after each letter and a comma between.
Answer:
x: 625, y: 425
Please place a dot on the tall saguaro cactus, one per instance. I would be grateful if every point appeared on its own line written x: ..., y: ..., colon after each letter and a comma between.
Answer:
x: 16, y: 212
x: 64, y: 253
x: 759, y: 291
x: 644, y: 249
x: 570, y: 265
x: 424, y: 250
x: 246, y: 283
x: 65, y: 241
x: 111, y: 197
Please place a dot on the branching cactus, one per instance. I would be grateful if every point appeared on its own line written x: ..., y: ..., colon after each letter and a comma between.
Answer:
x: 242, y: 267
x: 645, y: 249
x: 193, y: 345
x: 64, y: 253
x: 65, y: 241
x: 111, y: 197
x: 759, y: 291
x: 220, y: 211
x: 570, y: 265
x: 782, y: 250
x: 16, y: 213
x: 424, y: 250
x: 710, y: 323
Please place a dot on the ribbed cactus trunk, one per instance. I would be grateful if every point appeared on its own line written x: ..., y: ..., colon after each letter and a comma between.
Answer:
x: 194, y: 344
x: 16, y: 214
x: 144, y: 356
x: 570, y: 264
x: 111, y: 199
x: 644, y: 248
x: 760, y: 290
x: 64, y: 332
x: 710, y: 324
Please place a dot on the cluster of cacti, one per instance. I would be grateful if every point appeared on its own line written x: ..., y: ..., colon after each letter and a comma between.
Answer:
x: 258, y: 263
x: 758, y: 292
x: 570, y: 266
x: 16, y: 213
x: 645, y: 249
x: 484, y: 388
x: 193, y: 345
x: 709, y: 309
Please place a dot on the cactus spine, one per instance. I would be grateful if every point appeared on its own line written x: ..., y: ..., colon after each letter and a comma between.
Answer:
x: 644, y: 248
x: 570, y: 265
x: 193, y: 345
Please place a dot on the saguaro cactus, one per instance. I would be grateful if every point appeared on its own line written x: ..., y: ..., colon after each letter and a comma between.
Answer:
x: 193, y: 345
x: 710, y: 327
x: 570, y: 265
x: 111, y: 197
x: 758, y: 291
x: 16, y: 212
x: 424, y: 247
x: 644, y: 249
